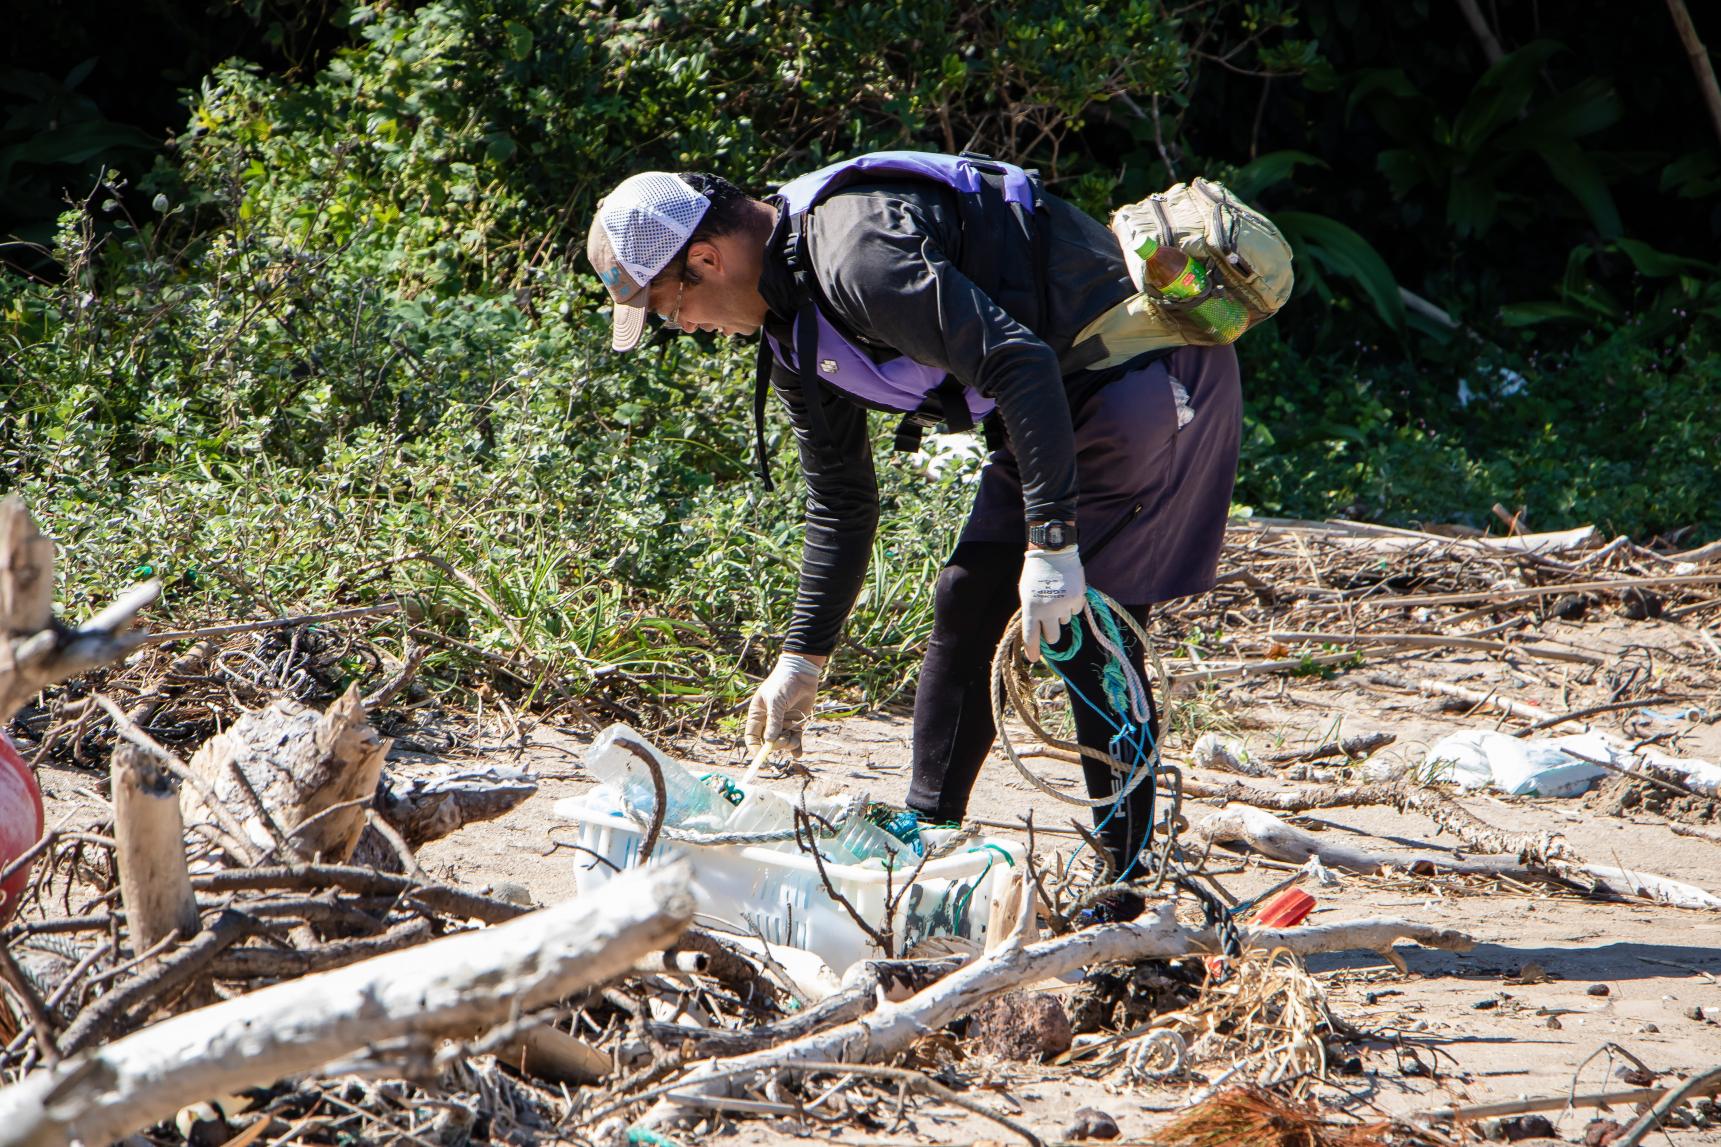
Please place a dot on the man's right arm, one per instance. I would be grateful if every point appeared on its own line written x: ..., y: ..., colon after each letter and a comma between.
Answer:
x: 841, y: 515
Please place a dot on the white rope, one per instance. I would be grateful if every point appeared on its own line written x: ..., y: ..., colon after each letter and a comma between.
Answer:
x: 1132, y: 680
x: 1164, y: 1044
x: 1011, y: 643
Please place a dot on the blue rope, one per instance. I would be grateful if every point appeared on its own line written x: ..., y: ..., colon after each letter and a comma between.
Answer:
x: 904, y: 825
x: 1115, y: 686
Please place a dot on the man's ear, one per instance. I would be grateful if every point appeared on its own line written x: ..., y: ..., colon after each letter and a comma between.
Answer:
x: 706, y: 258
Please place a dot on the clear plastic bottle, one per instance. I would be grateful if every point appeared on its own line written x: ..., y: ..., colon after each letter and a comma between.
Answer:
x: 765, y: 810
x: 862, y: 840
x: 614, y: 759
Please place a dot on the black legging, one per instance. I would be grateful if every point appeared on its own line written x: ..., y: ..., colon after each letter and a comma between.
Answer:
x: 953, y: 728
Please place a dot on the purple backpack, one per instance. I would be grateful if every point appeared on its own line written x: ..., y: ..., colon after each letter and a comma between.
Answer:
x: 993, y: 197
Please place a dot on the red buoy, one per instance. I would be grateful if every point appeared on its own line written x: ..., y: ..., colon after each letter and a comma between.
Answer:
x: 21, y: 822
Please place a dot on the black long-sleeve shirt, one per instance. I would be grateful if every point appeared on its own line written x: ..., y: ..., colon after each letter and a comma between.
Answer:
x: 886, y: 257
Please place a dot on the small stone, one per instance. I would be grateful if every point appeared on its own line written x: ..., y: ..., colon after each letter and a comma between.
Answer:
x: 1092, y: 1123
x: 1487, y: 1003
x: 1640, y: 604
x: 1695, y: 1013
x: 1414, y: 1066
x: 1023, y: 1026
x: 512, y: 893
x: 1533, y: 973
x: 1598, y: 990
x: 1601, y: 1132
x: 1518, y: 1127
x: 1649, y: 1029
x: 1637, y: 1076
x: 1554, y: 1022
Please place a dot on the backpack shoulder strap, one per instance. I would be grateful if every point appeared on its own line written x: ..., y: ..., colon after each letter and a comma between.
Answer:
x: 761, y: 387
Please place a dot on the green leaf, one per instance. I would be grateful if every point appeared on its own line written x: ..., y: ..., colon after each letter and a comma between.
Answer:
x: 1348, y: 255
x: 1264, y: 171
x: 1528, y: 314
x: 1658, y: 264
x: 1574, y: 171
x: 1403, y: 170
x: 519, y: 39
x: 79, y: 74
x: 1501, y: 94
x: 1373, y: 83
x: 1694, y: 175
x: 1471, y: 203
x: 1580, y: 110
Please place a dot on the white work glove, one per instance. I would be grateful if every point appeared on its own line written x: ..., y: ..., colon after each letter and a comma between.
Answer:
x: 778, y: 713
x: 1052, y: 589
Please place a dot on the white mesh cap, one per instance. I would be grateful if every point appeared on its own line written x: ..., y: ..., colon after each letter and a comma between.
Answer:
x: 639, y: 228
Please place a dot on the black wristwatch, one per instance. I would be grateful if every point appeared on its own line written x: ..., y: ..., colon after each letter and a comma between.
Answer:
x: 1053, y: 535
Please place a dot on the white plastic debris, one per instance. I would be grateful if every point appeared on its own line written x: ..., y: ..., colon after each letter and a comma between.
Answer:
x: 785, y: 896
x: 751, y: 877
x: 1214, y: 752
x: 1550, y: 766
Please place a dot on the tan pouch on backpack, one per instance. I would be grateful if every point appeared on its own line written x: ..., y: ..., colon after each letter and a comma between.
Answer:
x: 1246, y: 258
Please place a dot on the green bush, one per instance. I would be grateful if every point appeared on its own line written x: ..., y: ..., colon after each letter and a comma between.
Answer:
x: 347, y: 333
x: 1620, y: 430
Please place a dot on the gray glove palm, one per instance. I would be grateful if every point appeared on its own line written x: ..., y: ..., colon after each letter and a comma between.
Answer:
x: 1053, y: 590
x: 777, y: 715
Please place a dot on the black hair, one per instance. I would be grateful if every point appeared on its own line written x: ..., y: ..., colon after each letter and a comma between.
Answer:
x: 729, y: 213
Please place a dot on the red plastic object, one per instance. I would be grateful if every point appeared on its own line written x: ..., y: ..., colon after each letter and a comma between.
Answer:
x: 1286, y: 910
x: 21, y: 821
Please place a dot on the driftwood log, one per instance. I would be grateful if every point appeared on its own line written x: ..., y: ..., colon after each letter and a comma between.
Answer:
x: 1272, y: 837
x: 36, y: 650
x: 155, y: 885
x: 889, y: 1029
x: 451, y: 986
x: 428, y: 806
x: 298, y: 780
x: 1475, y: 833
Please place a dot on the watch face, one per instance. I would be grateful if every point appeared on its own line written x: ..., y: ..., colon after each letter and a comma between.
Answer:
x: 1051, y: 535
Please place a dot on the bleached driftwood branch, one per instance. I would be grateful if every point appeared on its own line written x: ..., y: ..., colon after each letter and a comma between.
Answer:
x: 1270, y: 836
x: 155, y: 884
x: 297, y: 779
x: 889, y: 1029
x: 451, y: 986
x: 36, y: 650
x: 1475, y: 833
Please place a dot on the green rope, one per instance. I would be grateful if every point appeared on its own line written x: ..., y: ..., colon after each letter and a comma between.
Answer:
x: 1114, y: 683
x: 904, y: 824
x: 726, y: 788
x: 963, y: 900
x: 1075, y: 643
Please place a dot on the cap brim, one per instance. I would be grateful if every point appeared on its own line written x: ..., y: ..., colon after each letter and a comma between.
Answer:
x: 629, y: 325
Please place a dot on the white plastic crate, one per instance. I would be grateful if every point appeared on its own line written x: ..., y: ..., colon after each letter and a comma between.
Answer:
x: 782, y: 894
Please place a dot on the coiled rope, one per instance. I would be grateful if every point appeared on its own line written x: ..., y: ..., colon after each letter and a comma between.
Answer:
x: 1125, y: 692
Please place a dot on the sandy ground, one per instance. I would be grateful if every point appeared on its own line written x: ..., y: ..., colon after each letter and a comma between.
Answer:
x: 1484, y: 1037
